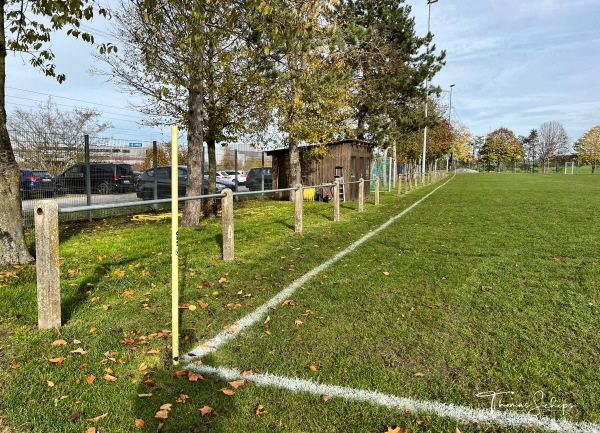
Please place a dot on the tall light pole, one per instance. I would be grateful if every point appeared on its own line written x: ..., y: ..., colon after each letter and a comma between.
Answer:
x: 450, y: 110
x: 429, y: 2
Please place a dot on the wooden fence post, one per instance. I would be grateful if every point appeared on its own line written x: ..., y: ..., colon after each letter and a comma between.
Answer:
x: 376, y: 191
x: 361, y: 195
x: 227, y: 224
x: 399, y: 184
x: 299, y: 200
x: 47, y: 264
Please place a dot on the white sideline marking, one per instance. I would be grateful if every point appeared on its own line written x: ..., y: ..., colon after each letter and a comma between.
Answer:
x: 459, y: 413
x: 249, y: 320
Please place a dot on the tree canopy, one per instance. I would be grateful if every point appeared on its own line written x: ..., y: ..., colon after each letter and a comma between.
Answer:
x: 501, y: 145
x: 588, y: 147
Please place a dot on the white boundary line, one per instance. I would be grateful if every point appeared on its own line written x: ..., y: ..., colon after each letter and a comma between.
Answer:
x: 249, y: 320
x: 459, y: 413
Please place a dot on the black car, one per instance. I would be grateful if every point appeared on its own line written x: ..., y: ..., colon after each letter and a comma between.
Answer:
x: 105, y: 178
x: 254, y: 181
x: 145, y: 187
x: 37, y: 183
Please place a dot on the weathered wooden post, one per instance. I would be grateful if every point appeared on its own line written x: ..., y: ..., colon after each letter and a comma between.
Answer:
x: 227, y: 224
x: 361, y: 195
x: 336, y: 201
x: 376, y: 190
x: 298, y: 200
x: 399, y: 184
x: 47, y: 263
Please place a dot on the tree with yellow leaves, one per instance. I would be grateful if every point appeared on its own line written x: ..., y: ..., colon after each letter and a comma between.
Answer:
x: 588, y: 147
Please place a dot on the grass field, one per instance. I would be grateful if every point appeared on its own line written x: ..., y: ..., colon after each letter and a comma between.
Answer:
x: 488, y: 285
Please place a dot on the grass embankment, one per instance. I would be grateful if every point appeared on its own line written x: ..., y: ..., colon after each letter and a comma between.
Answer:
x: 491, y: 284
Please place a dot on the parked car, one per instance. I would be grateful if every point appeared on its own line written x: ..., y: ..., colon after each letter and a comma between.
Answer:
x: 230, y: 175
x: 145, y: 188
x: 37, y: 183
x: 255, y: 175
x: 105, y: 178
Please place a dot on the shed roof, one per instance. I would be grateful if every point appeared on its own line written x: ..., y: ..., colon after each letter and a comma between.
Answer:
x: 333, y: 143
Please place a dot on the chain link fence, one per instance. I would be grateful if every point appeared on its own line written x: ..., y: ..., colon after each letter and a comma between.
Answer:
x: 83, y: 171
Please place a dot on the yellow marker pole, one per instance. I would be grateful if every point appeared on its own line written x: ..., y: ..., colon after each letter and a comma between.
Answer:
x: 175, y: 244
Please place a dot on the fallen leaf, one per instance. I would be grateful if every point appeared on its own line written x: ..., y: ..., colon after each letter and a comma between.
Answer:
x: 298, y: 322
x: 98, y: 418
x: 313, y: 368
x: 152, y: 351
x: 325, y: 397
x: 162, y: 414
x: 386, y: 273
x: 289, y: 302
x: 183, y: 306
x: 456, y: 430
x: 50, y: 383
x: 166, y: 406
x: 91, y: 430
x: 194, y: 377
x: 192, y: 307
x: 149, y: 382
x: 59, y: 342
x: 90, y: 379
x: 58, y: 360
x: 107, y: 307
x: 419, y: 374
x: 396, y: 430
x: 109, y: 370
x: 227, y: 391
x: 182, y: 398
x: 144, y: 395
x: 246, y: 373
x: 267, y: 320
x: 206, y: 410
x: 139, y: 422
x: 93, y: 329
x: 180, y: 373
x: 222, y: 280
x: 143, y: 366
x: 260, y: 410
x: 109, y: 378
x: 15, y: 366
x: 237, y: 383
x: 79, y: 350
x: 74, y: 417
x: 160, y: 426
x: 203, y: 305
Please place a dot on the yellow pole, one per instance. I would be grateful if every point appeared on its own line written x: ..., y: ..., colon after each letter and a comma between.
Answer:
x: 175, y: 244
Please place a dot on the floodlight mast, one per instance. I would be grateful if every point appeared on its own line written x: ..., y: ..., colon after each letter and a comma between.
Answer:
x: 423, y: 165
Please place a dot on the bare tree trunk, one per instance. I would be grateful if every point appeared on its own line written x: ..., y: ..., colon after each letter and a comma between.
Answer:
x: 13, y: 248
x: 193, y: 208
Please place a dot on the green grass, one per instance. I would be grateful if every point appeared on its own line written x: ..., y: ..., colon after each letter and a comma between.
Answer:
x: 491, y: 284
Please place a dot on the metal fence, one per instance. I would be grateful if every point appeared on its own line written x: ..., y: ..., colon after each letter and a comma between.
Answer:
x: 61, y: 154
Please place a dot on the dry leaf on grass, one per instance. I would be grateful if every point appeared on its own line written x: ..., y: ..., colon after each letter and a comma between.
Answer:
x: 139, y: 422
x: 206, y: 410
x: 260, y: 410
x: 58, y: 360
x: 313, y: 368
x: 227, y: 391
x: 194, y: 377
x: 98, y: 418
x: 182, y: 398
x: 237, y: 383
x: 59, y: 342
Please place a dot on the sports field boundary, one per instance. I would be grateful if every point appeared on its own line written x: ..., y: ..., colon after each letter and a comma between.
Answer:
x: 234, y: 329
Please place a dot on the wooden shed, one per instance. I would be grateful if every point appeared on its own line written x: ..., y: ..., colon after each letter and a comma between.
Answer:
x: 350, y: 159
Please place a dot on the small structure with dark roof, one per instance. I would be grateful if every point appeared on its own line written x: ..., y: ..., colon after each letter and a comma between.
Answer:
x: 352, y: 155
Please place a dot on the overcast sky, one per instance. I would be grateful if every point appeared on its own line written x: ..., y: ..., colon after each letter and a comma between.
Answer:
x: 514, y: 63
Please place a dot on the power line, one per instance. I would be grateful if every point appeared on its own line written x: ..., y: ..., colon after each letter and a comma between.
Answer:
x: 64, y: 97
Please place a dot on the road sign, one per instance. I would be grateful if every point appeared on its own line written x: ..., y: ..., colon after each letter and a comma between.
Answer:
x: 135, y: 144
